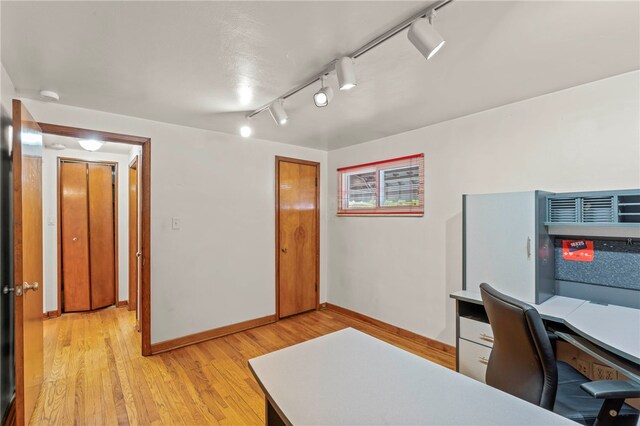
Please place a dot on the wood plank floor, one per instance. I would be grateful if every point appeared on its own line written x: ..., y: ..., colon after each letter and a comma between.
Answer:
x: 95, y: 375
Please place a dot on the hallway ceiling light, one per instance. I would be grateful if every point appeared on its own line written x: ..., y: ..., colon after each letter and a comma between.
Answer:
x: 90, y: 144
x: 245, y: 131
x: 323, y: 96
x: 346, y: 73
x: 49, y: 95
x: 278, y: 113
x: 423, y: 35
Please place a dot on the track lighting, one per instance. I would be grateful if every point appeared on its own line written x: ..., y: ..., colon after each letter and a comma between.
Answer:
x: 421, y: 33
x: 278, y: 113
x: 424, y: 36
x: 245, y: 131
x: 346, y: 73
x: 323, y: 96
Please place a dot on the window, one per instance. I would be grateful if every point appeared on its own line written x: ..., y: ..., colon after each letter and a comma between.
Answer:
x: 391, y: 187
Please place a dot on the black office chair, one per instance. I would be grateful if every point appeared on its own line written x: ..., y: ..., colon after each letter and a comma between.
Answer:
x: 523, y: 363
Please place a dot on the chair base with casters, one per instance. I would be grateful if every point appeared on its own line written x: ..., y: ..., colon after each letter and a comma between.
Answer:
x: 523, y: 363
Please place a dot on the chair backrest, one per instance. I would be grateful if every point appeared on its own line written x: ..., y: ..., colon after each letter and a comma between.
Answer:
x: 522, y: 362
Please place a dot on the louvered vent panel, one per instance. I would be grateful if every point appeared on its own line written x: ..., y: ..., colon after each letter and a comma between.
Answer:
x: 563, y: 210
x: 598, y: 209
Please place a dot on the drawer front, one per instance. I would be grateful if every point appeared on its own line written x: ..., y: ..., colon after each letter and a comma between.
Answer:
x: 473, y: 359
x: 476, y: 331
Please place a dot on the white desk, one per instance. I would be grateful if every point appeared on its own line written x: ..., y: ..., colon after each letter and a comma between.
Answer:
x: 350, y: 378
x: 614, y: 328
x: 556, y: 308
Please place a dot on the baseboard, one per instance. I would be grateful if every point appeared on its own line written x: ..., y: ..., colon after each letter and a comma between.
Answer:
x: 9, y: 418
x: 50, y: 314
x: 443, y: 347
x: 323, y: 305
x: 202, y: 336
x: 122, y: 303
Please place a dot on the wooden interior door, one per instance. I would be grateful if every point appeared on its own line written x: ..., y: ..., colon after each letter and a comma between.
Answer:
x: 133, y: 235
x: 298, y: 242
x: 27, y: 241
x: 102, y: 260
x: 74, y: 227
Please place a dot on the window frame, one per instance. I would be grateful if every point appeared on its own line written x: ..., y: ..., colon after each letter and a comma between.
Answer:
x: 379, y: 167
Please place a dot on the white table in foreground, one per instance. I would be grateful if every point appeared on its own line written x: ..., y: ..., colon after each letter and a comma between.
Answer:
x: 351, y: 378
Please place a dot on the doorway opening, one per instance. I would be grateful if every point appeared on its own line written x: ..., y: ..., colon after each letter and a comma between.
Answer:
x: 101, y: 220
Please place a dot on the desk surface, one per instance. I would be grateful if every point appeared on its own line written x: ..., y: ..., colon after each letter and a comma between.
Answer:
x: 615, y: 328
x: 349, y: 377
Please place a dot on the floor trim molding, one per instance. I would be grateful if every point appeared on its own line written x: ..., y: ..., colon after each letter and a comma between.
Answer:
x: 435, y: 344
x: 191, y: 339
x: 122, y: 303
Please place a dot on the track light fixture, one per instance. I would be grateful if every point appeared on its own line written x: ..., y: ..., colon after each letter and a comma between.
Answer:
x: 424, y: 36
x: 323, y: 96
x: 278, y: 113
x: 421, y: 33
x: 346, y: 73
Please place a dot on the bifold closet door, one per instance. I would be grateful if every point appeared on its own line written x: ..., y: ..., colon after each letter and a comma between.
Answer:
x: 74, y: 220
x: 101, y: 235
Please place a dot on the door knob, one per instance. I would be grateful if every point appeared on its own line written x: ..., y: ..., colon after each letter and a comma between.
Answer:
x: 75, y: 238
x: 27, y: 286
x: 284, y: 250
x: 138, y: 254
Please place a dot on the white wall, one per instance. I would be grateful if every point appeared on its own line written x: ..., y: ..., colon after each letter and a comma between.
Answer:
x: 50, y: 220
x: 219, y: 268
x: 401, y: 270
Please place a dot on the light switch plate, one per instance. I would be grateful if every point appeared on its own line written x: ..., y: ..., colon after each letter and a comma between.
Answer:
x: 175, y: 223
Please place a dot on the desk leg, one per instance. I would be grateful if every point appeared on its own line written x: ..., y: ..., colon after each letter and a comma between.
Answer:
x: 271, y: 417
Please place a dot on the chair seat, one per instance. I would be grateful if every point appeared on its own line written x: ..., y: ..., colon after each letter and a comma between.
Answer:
x: 577, y: 405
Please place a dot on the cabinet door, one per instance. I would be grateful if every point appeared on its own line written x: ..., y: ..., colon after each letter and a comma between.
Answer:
x: 500, y: 232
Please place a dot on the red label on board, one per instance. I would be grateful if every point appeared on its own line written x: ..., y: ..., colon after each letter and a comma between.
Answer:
x: 577, y: 250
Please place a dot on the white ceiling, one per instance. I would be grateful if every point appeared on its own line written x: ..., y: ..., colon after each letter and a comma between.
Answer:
x: 72, y: 143
x: 185, y: 62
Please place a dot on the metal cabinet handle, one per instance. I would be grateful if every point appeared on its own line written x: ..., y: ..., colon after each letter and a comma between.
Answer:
x: 483, y: 360
x: 27, y: 286
x: 486, y: 337
x: 6, y: 289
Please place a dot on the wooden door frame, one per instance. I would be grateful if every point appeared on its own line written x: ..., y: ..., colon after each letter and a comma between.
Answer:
x: 280, y: 159
x: 145, y: 188
x: 114, y: 164
x: 133, y: 304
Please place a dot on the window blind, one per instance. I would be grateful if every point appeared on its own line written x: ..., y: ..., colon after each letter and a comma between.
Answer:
x: 391, y: 187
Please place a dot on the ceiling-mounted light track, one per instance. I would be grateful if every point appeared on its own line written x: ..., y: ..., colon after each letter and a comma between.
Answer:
x: 424, y: 36
x: 358, y: 52
x: 278, y: 113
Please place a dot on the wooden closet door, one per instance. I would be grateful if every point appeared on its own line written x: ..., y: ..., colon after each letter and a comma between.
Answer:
x: 102, y: 235
x: 298, y: 237
x: 75, y: 236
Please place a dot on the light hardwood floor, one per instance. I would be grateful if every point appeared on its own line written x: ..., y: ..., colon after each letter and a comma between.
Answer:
x: 95, y: 375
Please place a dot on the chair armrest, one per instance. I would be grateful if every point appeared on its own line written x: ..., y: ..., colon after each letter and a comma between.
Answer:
x: 612, y: 389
